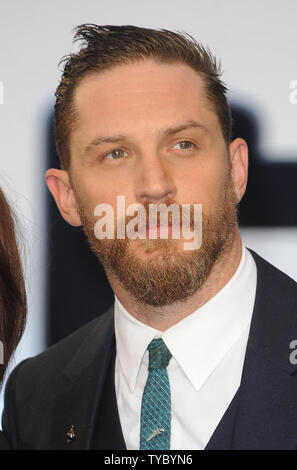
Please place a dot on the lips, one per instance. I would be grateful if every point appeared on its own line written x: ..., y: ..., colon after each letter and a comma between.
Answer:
x: 162, y: 230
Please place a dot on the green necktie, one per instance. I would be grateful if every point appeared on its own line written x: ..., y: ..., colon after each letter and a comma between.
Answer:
x: 156, y: 404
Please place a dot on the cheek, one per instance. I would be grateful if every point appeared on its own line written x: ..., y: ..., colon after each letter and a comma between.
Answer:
x: 92, y: 191
x: 87, y: 195
x: 203, y: 185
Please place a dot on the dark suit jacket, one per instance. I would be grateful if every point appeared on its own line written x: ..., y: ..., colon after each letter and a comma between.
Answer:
x: 65, y: 397
x: 4, y: 445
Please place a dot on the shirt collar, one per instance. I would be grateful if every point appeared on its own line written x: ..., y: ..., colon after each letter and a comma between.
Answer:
x: 132, y: 340
x: 211, y: 330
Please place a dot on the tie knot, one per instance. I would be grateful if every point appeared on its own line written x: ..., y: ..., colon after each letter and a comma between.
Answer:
x: 159, y: 354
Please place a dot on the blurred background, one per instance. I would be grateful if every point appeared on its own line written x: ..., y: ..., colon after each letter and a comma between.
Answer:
x: 256, y: 42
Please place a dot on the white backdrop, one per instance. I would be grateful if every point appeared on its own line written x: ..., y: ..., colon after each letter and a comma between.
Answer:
x: 256, y: 41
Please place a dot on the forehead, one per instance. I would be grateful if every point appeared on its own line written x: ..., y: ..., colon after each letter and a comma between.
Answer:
x: 143, y: 93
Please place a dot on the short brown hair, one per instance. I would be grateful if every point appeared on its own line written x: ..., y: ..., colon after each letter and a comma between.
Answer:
x: 107, y: 46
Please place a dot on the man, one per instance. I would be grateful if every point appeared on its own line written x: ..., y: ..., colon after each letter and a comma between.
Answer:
x: 195, y: 351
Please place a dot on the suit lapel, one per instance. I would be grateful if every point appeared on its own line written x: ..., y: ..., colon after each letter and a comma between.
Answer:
x: 108, y: 432
x: 266, y: 414
x: 82, y: 386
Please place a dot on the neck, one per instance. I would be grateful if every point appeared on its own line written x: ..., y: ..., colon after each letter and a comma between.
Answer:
x: 162, y: 318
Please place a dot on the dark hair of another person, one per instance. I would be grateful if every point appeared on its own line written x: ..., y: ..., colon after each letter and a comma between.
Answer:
x: 13, y: 301
x: 104, y: 47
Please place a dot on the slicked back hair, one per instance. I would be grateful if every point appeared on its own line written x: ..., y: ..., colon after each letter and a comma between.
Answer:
x: 104, y: 47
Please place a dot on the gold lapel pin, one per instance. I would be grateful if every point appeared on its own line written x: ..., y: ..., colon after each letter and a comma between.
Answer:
x: 70, y: 434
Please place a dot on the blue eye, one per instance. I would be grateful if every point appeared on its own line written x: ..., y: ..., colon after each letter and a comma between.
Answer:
x: 116, y: 154
x: 185, y: 144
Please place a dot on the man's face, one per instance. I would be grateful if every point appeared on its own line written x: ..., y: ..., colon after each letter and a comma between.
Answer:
x: 146, y: 131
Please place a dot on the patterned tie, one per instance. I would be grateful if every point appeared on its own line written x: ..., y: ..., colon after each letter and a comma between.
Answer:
x: 156, y: 404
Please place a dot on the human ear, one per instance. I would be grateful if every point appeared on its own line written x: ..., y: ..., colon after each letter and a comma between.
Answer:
x: 238, y: 152
x: 58, y: 183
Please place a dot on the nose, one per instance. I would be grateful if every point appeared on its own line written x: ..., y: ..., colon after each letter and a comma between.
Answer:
x: 154, y: 182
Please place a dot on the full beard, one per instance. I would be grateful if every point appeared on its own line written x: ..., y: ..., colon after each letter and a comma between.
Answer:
x: 166, y: 274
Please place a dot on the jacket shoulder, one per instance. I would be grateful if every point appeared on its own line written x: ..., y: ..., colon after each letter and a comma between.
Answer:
x: 33, y: 386
x: 278, y: 282
x: 51, y: 362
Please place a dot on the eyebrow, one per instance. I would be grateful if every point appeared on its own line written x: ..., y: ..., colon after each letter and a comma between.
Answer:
x: 166, y: 133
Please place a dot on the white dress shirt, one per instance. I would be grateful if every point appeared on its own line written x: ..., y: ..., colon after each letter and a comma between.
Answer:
x: 208, y: 349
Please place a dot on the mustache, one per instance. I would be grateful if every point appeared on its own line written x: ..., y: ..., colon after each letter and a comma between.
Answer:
x: 162, y: 213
